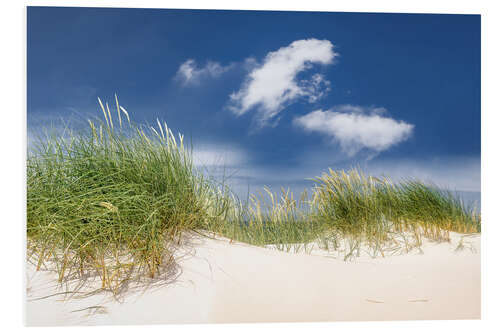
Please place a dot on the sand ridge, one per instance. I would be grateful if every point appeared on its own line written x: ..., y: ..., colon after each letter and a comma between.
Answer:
x: 219, y: 281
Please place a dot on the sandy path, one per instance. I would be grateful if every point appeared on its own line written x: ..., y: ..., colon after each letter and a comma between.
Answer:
x: 223, y: 282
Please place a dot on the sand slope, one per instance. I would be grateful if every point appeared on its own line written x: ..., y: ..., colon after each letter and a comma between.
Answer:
x: 221, y: 282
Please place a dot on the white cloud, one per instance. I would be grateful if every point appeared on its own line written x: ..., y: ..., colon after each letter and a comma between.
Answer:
x: 316, y: 87
x: 271, y: 86
x: 218, y: 156
x: 462, y: 173
x: 356, y: 127
x: 190, y: 73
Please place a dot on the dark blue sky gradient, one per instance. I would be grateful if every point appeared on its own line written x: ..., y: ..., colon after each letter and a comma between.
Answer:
x: 424, y: 69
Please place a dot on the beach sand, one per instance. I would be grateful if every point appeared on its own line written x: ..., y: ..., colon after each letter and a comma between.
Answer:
x: 218, y: 281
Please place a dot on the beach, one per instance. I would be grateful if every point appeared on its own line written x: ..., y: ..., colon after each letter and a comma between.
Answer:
x: 220, y: 281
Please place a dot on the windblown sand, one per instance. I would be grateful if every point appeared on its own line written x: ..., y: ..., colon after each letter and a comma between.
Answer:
x: 222, y: 282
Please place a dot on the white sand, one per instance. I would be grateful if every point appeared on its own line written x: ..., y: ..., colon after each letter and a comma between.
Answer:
x: 222, y: 282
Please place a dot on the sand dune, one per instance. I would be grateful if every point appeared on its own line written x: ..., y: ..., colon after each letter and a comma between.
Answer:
x: 223, y: 282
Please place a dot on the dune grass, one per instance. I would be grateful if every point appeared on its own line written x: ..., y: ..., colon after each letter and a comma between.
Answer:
x: 349, y: 212
x: 117, y: 198
x: 114, y: 198
x: 283, y: 222
x: 378, y: 212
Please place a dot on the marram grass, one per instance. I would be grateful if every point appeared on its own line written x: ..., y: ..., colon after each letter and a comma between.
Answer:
x: 378, y: 212
x: 116, y: 191
x: 115, y: 200
x: 349, y: 212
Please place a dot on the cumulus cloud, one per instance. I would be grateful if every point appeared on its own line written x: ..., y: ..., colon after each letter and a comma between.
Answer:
x: 189, y: 73
x: 356, y: 127
x: 273, y: 85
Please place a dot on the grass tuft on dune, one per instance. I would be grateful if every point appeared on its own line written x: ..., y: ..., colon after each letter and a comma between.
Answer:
x: 116, y: 199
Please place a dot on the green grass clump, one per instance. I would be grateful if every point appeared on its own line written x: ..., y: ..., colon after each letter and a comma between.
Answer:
x: 350, y: 212
x: 370, y: 209
x: 114, y: 199
x: 354, y: 202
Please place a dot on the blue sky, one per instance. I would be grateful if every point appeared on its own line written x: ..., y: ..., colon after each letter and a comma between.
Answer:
x: 274, y: 98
